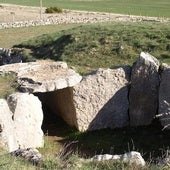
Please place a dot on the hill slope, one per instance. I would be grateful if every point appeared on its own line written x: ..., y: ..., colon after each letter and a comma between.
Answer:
x: 89, y: 47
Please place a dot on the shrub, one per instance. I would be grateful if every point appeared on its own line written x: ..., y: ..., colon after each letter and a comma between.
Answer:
x: 53, y: 10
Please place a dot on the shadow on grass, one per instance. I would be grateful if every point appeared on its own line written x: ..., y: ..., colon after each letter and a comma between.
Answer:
x: 47, y: 48
x: 151, y: 141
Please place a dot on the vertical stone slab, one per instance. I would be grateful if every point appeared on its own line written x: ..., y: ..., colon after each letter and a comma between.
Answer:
x: 27, y: 119
x: 143, y: 96
x: 164, y: 97
x: 7, y: 135
x: 101, y: 99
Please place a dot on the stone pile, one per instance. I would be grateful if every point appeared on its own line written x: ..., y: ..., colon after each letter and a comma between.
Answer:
x: 30, y: 154
x: 69, y: 16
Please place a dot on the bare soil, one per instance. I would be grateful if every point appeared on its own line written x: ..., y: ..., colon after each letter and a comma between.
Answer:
x: 10, y: 13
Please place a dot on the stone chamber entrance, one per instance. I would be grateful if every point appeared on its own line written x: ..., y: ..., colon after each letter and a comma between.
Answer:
x: 59, y: 112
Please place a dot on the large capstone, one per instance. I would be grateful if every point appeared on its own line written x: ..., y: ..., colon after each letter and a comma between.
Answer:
x: 42, y: 76
x: 52, y: 82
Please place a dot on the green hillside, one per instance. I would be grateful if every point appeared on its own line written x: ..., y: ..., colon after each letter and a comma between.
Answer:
x: 89, y: 47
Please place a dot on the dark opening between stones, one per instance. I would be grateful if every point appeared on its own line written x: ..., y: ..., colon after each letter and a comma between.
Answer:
x: 58, y: 110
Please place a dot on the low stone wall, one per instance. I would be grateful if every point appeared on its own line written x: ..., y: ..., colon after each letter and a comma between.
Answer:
x: 69, y: 16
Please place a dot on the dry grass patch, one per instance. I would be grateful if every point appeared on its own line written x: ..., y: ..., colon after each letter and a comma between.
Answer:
x: 8, y: 85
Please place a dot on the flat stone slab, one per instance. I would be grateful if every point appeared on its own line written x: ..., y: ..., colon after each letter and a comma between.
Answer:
x: 42, y: 76
x: 101, y: 99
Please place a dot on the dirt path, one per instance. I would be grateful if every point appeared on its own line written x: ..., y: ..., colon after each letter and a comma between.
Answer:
x: 10, y: 13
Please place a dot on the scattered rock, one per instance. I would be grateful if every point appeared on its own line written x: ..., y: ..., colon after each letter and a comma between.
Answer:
x: 30, y: 154
x: 101, y: 99
x: 143, y: 95
x: 164, y: 97
x: 106, y: 157
x: 132, y: 158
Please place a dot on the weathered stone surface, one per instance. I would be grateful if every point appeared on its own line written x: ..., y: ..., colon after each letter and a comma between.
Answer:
x: 164, y: 97
x: 132, y: 158
x: 42, y: 76
x: 27, y: 118
x: 7, y: 134
x: 143, y: 96
x: 60, y: 102
x: 101, y: 99
x: 20, y: 122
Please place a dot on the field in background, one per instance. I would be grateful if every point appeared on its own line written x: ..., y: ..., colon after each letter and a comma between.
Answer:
x: 12, y: 36
x: 158, y: 8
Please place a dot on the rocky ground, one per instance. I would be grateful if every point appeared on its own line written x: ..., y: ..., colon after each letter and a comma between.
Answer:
x: 13, y: 13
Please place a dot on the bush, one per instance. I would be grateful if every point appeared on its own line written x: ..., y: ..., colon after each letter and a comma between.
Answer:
x: 53, y: 10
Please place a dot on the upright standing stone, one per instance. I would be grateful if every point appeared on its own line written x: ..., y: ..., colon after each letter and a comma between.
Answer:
x: 27, y: 119
x: 101, y: 99
x: 164, y: 97
x: 143, y: 96
x: 7, y: 131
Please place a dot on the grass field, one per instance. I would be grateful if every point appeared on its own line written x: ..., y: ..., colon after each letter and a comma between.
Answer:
x: 158, y: 8
x: 93, y: 46
x: 12, y: 36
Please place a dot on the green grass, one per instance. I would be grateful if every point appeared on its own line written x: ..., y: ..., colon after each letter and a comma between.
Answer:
x: 86, y: 145
x: 11, y: 36
x: 8, y: 162
x: 89, y: 47
x: 76, y: 145
x: 7, y: 85
x: 158, y: 8
x: 123, y: 140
